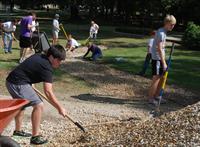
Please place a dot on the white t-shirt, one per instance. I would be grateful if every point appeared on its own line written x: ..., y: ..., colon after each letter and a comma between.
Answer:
x: 8, y: 26
x: 94, y: 28
x: 159, y: 37
x: 33, y: 29
x: 150, y: 44
x: 55, y: 25
x: 73, y: 43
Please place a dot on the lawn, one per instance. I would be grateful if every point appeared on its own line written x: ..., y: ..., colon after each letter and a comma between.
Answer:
x: 184, y: 71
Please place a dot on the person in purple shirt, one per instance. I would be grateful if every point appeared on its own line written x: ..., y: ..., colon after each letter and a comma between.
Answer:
x: 25, y: 36
x: 96, y: 52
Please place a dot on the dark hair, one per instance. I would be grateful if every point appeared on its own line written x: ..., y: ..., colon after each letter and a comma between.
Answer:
x: 57, y: 51
x: 14, y: 20
x: 32, y: 13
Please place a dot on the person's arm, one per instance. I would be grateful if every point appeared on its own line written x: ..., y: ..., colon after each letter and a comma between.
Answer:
x: 48, y: 90
x: 91, y: 31
x: 162, y: 57
x: 69, y: 45
x: 86, y: 53
x: 149, y: 46
x: 29, y: 26
x: 13, y: 35
x: 97, y: 26
x: 148, y: 49
x: 70, y: 48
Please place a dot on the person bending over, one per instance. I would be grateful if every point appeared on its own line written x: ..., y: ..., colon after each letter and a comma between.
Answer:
x: 96, y: 52
x: 37, y: 68
x: 72, y: 44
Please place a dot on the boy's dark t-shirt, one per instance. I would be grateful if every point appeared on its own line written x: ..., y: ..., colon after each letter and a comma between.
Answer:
x: 94, y: 49
x: 35, y: 69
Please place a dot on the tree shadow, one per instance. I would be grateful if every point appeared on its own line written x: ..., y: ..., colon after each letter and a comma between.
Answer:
x: 187, y: 53
x: 139, y: 103
x: 174, y: 101
x: 9, y: 60
x: 124, y: 44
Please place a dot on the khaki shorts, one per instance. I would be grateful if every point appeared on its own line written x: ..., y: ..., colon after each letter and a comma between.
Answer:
x: 55, y: 34
x: 23, y: 92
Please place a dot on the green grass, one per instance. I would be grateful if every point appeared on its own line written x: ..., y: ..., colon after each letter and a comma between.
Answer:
x: 184, y: 71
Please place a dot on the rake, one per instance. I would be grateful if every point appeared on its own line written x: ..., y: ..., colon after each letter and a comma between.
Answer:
x: 164, y: 79
x: 75, y: 122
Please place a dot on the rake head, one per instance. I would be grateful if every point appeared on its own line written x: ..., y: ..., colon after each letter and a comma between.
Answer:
x: 79, y: 126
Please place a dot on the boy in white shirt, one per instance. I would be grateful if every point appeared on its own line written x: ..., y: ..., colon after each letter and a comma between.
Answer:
x: 8, y: 29
x: 55, y: 29
x: 72, y: 44
x: 148, y: 56
x: 93, y: 30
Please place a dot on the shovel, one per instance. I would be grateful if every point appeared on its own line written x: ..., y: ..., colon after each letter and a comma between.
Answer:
x: 75, y: 122
x: 63, y: 29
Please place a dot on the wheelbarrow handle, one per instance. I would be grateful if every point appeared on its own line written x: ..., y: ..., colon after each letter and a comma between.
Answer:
x: 43, y: 96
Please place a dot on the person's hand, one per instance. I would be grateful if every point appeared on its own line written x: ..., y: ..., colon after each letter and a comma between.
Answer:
x: 62, y: 112
x: 16, y: 40
x: 164, y: 66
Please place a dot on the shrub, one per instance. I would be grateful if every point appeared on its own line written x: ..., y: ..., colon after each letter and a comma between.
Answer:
x: 191, y: 37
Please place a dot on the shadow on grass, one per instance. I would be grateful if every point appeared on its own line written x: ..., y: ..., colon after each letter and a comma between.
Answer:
x: 9, y: 60
x: 123, y: 44
x: 187, y: 53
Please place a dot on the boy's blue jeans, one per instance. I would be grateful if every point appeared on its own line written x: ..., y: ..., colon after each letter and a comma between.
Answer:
x: 96, y: 56
x: 7, y: 40
x: 146, y: 63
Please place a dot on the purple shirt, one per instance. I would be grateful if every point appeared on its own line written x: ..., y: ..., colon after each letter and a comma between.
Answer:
x: 24, y: 26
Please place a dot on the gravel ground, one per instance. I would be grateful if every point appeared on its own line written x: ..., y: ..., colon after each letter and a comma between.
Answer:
x: 91, y: 115
x: 115, y: 113
x: 179, y: 128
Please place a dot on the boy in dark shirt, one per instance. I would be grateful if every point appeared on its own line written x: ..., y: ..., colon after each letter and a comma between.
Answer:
x: 96, y: 52
x: 35, y: 69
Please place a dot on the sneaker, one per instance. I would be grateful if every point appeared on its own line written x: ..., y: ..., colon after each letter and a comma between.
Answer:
x: 6, y: 52
x: 10, y: 52
x: 163, y: 100
x: 22, y: 133
x: 153, y: 102
x: 38, y: 140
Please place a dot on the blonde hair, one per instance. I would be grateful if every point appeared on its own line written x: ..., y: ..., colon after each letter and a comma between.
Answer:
x: 170, y: 19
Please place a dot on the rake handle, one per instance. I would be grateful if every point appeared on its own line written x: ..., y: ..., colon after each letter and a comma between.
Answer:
x: 64, y: 31
x: 43, y: 96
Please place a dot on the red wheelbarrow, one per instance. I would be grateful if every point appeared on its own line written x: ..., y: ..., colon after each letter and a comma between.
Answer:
x: 8, y: 110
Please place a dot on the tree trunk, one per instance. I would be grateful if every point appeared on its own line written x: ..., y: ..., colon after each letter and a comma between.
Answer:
x: 12, y: 3
x: 74, y: 12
